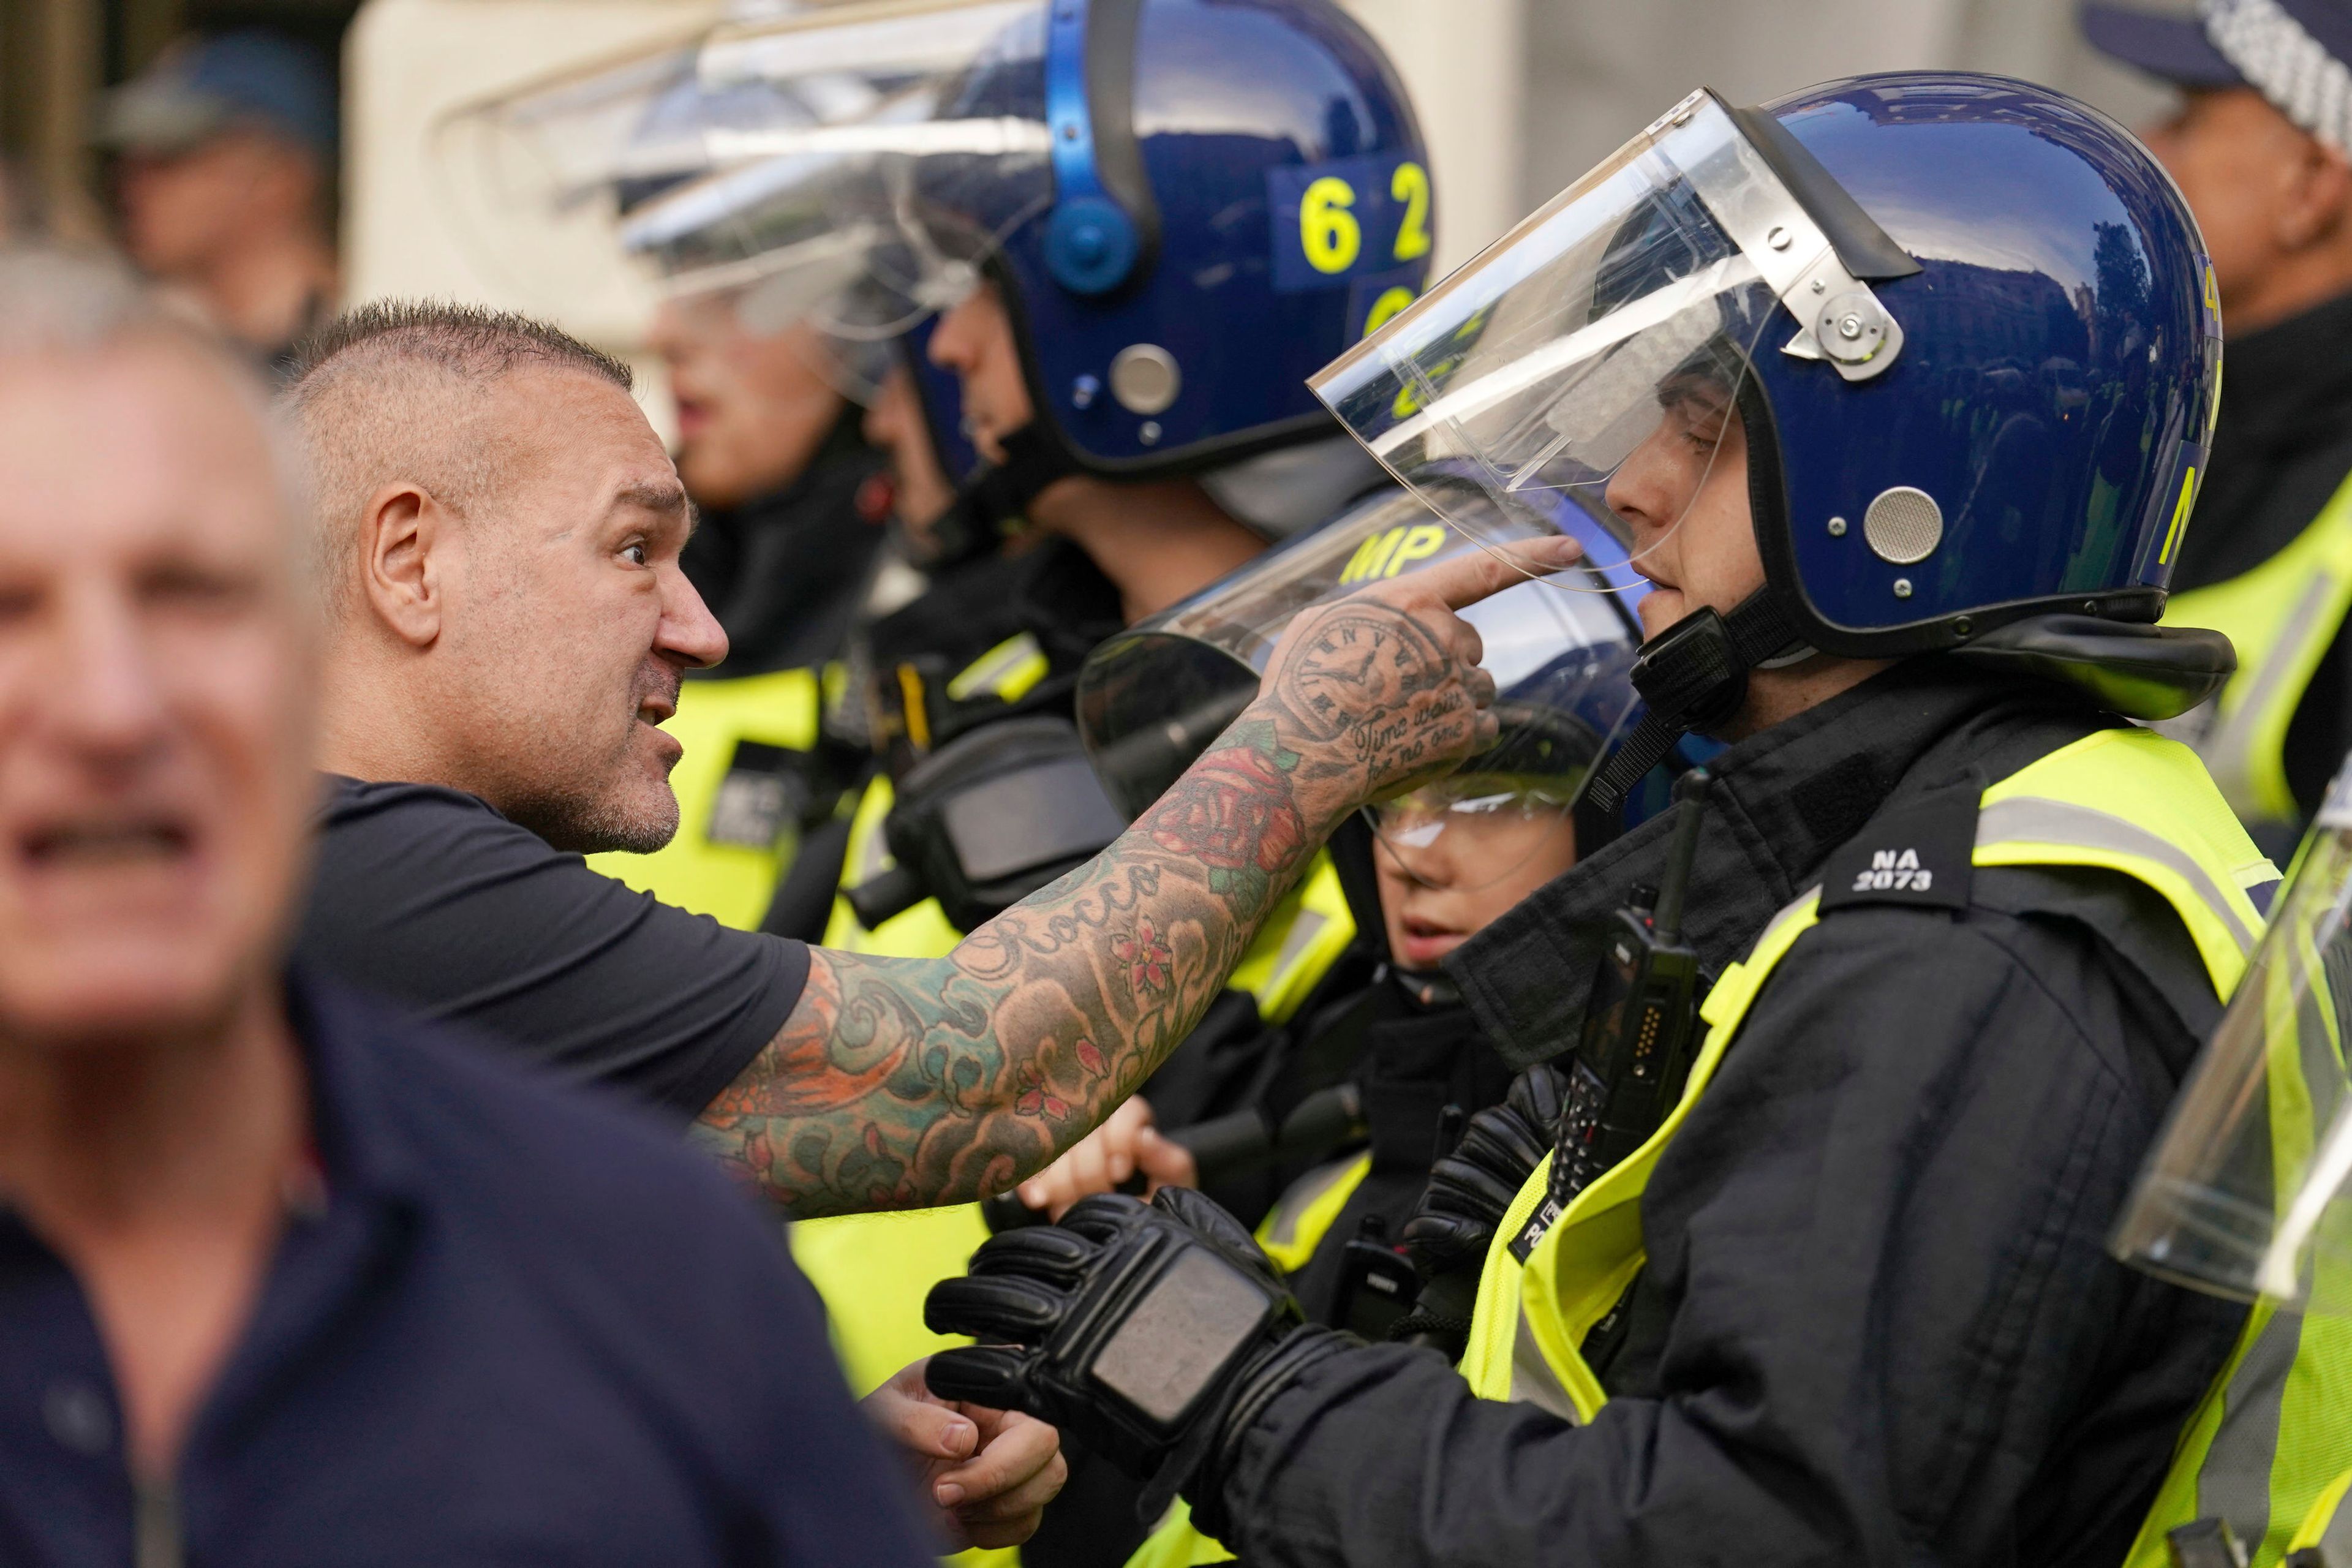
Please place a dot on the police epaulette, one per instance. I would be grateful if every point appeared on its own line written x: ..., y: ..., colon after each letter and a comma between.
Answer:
x: 1920, y: 853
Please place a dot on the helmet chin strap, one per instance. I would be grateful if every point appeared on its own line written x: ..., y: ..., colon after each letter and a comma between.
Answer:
x: 1692, y: 676
x: 999, y: 492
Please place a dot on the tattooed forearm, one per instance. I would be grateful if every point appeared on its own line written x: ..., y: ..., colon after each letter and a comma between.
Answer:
x: 900, y: 1083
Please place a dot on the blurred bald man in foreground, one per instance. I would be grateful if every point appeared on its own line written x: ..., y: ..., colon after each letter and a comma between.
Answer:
x: 284, y: 1279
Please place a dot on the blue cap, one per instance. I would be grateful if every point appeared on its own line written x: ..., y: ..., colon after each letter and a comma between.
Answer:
x: 2172, y: 49
x: 251, y: 76
x: 2294, y: 52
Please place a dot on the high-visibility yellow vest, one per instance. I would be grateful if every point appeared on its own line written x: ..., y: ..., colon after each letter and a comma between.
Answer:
x: 736, y: 832
x: 2266, y: 1448
x: 874, y: 1270
x: 2281, y: 616
x: 1299, y: 1220
x: 2125, y: 800
x: 2328, y: 1524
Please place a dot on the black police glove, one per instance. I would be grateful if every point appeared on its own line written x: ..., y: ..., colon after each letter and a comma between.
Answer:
x: 1454, y: 1223
x: 1156, y: 1333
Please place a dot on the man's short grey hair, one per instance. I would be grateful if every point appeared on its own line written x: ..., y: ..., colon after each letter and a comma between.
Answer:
x: 395, y: 391
x: 58, y: 300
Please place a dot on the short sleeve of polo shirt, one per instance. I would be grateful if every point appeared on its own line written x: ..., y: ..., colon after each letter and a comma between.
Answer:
x: 430, y: 898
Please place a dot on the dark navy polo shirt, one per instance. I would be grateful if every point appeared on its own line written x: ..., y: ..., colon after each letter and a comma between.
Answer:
x: 431, y: 899
x: 522, y: 1326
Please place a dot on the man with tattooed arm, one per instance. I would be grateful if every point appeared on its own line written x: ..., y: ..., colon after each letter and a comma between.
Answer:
x: 498, y: 533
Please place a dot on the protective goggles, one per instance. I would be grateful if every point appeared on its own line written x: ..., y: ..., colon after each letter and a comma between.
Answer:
x: 1586, y: 371
x: 1475, y: 829
x: 1152, y: 697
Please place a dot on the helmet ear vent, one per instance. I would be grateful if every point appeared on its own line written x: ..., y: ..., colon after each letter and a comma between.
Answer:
x: 1903, y: 525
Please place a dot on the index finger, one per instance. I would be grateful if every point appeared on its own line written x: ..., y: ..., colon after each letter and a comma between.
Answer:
x: 1475, y: 574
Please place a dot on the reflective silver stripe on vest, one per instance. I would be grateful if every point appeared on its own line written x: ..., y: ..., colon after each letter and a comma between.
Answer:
x: 1304, y: 930
x: 2229, y: 751
x: 2337, y: 1535
x: 1302, y: 1197
x: 2033, y: 819
x: 1783, y: 916
x: 1533, y: 1381
x: 2235, y: 1481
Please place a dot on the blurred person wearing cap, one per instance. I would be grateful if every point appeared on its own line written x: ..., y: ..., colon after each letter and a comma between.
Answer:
x: 226, y: 151
x: 240, y: 1206
x: 2262, y: 147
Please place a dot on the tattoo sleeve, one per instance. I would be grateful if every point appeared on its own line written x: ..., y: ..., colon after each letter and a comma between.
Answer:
x: 901, y: 1083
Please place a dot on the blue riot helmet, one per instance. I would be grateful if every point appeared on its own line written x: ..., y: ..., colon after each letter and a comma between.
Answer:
x: 1188, y: 206
x: 1964, y: 324
x: 1153, y: 696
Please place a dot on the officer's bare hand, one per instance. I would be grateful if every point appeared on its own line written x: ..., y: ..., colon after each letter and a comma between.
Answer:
x: 987, y: 1474
x: 1124, y: 1144
x: 1381, y: 691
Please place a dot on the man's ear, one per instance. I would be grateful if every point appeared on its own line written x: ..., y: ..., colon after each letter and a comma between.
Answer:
x: 2318, y: 205
x: 406, y: 547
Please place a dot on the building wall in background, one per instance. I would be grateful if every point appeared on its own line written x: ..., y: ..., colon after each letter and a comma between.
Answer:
x: 1597, y: 71
x: 1461, y: 62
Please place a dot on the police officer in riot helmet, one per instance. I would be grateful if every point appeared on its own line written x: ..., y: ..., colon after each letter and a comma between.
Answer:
x: 1344, y: 1099
x: 1318, y: 1119
x: 1819, y: 1272
x: 1124, y: 360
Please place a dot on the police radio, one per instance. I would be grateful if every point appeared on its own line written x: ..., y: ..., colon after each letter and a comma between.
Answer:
x: 1633, y: 1055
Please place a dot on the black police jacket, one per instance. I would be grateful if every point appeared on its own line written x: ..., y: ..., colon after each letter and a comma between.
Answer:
x: 1878, y: 1323
x: 2282, y: 447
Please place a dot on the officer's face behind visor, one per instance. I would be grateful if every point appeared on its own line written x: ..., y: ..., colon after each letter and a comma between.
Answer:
x: 1452, y: 857
x: 1681, y: 498
x: 1585, y: 372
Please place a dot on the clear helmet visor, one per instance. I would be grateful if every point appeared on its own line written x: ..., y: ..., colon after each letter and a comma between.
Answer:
x: 2248, y: 1191
x: 767, y: 176
x: 1153, y: 697
x: 898, y: 135
x: 534, y: 179
x: 1585, y: 370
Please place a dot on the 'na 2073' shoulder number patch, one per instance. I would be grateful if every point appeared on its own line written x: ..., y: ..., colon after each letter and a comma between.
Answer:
x: 1920, y: 853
